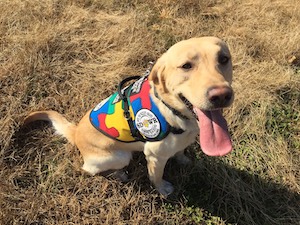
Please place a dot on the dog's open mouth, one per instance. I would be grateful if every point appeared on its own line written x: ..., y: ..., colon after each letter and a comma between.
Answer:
x: 188, y: 105
x: 214, y: 136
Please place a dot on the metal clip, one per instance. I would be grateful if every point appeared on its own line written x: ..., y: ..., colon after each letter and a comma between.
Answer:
x: 147, y: 72
x: 127, y: 115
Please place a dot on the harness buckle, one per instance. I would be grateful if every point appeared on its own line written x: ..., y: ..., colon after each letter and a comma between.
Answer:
x: 127, y: 115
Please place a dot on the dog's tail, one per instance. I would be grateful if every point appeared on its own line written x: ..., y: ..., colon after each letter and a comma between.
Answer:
x: 59, y: 122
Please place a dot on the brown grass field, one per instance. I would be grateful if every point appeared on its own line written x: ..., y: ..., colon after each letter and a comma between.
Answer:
x: 68, y: 55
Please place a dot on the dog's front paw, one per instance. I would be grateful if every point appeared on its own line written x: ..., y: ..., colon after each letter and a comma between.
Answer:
x: 165, y: 188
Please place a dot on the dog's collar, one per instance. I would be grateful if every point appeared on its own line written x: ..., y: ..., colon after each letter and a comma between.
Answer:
x: 175, y: 111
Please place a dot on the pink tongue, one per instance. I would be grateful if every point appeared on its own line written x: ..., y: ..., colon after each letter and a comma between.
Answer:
x: 214, y: 136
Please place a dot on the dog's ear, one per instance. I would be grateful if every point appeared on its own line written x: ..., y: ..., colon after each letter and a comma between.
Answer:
x: 157, y: 75
x: 156, y: 72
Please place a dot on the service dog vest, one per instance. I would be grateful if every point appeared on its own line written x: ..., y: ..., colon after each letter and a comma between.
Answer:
x: 108, y: 115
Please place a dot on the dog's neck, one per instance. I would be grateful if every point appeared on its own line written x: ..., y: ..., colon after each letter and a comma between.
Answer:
x: 173, y: 110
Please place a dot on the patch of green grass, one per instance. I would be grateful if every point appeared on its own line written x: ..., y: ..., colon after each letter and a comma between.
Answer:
x: 194, y: 215
x: 284, y: 118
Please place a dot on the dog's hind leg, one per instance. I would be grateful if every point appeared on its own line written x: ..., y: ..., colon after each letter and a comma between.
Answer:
x: 102, y: 161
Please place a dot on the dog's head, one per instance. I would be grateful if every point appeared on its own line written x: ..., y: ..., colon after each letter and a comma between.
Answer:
x: 195, y: 75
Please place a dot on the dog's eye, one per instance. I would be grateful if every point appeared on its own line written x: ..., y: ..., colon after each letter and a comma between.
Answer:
x: 223, y: 59
x: 187, y: 66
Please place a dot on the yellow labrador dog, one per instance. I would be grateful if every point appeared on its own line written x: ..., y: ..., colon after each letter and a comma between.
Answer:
x: 186, y: 90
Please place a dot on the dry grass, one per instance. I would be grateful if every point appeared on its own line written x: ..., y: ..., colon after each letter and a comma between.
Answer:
x: 67, y: 55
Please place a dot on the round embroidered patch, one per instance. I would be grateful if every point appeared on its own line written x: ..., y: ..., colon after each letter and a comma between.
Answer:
x: 147, y: 123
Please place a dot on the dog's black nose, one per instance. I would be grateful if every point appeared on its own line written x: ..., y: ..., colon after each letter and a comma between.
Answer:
x: 220, y: 96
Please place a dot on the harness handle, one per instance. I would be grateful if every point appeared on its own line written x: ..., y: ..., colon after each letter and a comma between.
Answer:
x: 134, y: 132
x: 122, y: 95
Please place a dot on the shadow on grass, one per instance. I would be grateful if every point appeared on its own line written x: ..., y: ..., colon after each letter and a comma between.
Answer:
x: 238, y: 197
x: 28, y: 142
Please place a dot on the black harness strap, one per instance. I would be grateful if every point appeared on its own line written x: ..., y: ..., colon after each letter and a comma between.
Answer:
x: 134, y: 132
x: 175, y: 130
